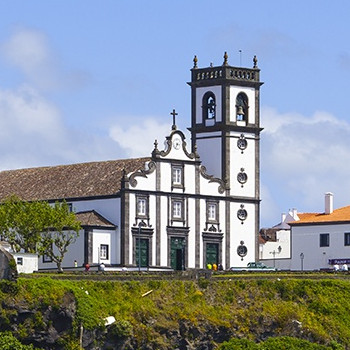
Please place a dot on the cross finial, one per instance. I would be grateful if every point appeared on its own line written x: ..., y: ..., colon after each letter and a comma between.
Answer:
x: 173, y: 113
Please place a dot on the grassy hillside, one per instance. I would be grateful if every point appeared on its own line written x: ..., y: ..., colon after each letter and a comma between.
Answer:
x: 161, y: 314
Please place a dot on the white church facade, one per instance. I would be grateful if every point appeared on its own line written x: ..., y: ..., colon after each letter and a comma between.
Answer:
x: 187, y: 204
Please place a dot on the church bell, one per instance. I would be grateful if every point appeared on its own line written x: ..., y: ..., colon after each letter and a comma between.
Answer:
x: 240, y: 110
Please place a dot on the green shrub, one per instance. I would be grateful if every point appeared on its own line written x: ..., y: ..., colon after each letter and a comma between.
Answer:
x: 9, y: 342
x: 9, y: 287
x: 120, y: 329
x: 239, y: 344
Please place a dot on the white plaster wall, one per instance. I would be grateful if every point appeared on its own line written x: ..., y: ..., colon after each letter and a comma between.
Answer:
x: 108, y: 208
x: 30, y: 262
x: 209, y: 151
x: 306, y: 240
x: 104, y: 237
x: 283, y: 241
x: 199, y: 99
x: 164, y: 236
x: 242, y: 232
x: 245, y: 160
x: 250, y: 92
x: 191, y: 244
x: 190, y: 178
x: 147, y: 183
x: 75, y: 251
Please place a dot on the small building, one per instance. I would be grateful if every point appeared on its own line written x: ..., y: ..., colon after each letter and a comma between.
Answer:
x: 275, y: 242
x: 321, y: 240
x: 25, y: 262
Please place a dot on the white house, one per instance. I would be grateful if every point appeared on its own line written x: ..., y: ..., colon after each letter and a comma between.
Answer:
x: 183, y: 206
x: 275, y: 242
x: 316, y: 241
x: 321, y: 240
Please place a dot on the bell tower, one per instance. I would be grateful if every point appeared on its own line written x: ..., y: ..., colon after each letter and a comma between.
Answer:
x: 225, y: 128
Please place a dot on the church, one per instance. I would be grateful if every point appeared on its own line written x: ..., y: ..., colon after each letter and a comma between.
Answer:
x: 187, y: 204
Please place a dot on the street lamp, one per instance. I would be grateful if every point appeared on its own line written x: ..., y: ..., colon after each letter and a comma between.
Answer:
x: 302, y: 261
x: 279, y: 249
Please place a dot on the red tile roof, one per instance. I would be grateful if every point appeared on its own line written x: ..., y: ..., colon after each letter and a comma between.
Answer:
x: 67, y: 181
x: 92, y: 218
x: 338, y: 215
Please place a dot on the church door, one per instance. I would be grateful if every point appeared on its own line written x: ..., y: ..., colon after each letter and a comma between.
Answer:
x: 177, y: 253
x: 142, y: 250
x: 212, y: 253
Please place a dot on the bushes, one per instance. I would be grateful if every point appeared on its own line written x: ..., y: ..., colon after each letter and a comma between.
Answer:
x: 277, y: 343
x: 9, y: 342
x: 252, y: 309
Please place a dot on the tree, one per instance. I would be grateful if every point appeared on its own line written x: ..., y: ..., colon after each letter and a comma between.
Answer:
x: 21, y: 223
x: 38, y: 227
x: 63, y: 230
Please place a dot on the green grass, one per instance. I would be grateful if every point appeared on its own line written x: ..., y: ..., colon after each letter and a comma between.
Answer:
x: 254, y: 309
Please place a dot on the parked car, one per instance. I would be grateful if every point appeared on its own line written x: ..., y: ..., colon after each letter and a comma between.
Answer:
x: 254, y: 266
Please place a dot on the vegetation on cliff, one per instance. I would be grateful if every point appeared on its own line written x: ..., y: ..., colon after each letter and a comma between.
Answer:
x: 183, y: 314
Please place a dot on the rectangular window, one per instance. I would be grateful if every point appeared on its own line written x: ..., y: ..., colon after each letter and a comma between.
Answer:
x: 19, y: 261
x: 46, y: 259
x: 177, y: 176
x: 211, y: 212
x: 104, y: 251
x: 347, y: 238
x: 324, y: 240
x: 141, y: 206
x: 177, y: 209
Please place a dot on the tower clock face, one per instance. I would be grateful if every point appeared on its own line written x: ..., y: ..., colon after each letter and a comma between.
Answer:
x: 177, y: 143
x: 242, y: 144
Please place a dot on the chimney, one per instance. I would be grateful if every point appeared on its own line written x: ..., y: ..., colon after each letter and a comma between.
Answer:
x: 328, y: 203
x: 283, y: 217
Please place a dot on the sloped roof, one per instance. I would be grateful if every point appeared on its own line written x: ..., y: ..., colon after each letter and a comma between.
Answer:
x: 337, y: 216
x: 93, y: 218
x: 67, y: 181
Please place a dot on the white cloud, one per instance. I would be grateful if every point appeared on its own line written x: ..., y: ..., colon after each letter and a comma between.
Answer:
x: 32, y: 133
x: 138, y: 139
x: 29, y: 50
x: 303, y: 157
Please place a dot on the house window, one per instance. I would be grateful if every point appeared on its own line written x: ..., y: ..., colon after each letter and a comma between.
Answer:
x: 177, y: 179
x: 142, y: 204
x: 324, y: 240
x: 212, y: 212
x: 104, y: 251
x: 47, y: 258
x: 177, y: 209
x: 19, y: 261
x: 347, y: 238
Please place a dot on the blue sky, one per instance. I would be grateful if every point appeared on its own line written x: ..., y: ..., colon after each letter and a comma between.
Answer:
x: 77, y: 78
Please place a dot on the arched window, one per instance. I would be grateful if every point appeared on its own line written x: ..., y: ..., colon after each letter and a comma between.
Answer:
x: 209, y: 106
x: 242, y: 107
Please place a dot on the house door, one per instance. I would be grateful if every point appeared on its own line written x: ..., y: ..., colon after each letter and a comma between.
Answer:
x: 212, y: 253
x: 177, y: 253
x: 142, y: 251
